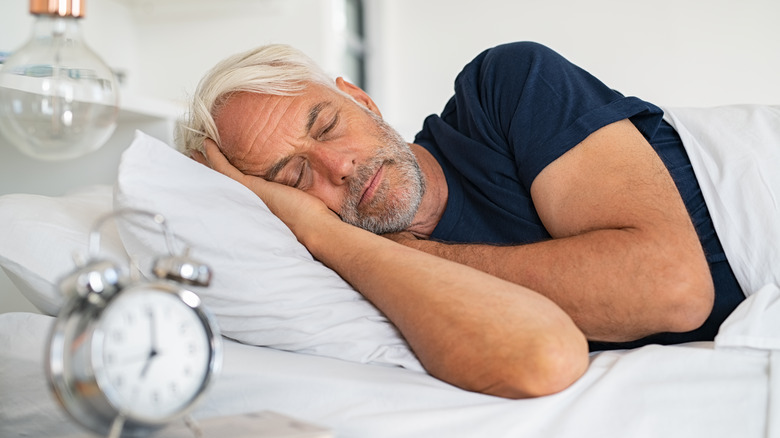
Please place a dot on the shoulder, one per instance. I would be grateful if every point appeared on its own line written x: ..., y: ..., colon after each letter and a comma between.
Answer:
x: 518, y: 56
x: 490, y: 87
x: 509, y: 70
x: 520, y: 50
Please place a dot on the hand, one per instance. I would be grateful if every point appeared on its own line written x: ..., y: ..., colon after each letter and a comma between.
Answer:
x: 199, y: 157
x: 301, y: 212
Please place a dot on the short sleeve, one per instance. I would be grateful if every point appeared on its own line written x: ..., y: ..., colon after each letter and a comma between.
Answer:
x: 536, y: 105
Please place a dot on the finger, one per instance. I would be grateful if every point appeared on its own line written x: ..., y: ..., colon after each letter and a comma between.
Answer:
x: 219, y: 162
x: 199, y: 157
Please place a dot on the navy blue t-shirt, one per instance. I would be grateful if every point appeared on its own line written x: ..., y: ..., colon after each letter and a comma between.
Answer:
x: 517, y: 108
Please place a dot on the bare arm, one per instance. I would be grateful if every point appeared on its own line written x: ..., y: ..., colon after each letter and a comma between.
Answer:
x: 625, y: 260
x: 468, y: 328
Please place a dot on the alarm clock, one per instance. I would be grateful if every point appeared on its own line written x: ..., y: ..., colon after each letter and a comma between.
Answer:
x: 127, y: 355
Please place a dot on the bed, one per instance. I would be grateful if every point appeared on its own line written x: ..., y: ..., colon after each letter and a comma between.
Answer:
x: 301, y: 342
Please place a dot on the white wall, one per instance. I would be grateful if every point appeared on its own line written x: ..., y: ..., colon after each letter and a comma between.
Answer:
x: 163, y: 47
x: 181, y: 39
x: 671, y: 52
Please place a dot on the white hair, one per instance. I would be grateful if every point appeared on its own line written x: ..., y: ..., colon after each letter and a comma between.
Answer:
x: 273, y: 69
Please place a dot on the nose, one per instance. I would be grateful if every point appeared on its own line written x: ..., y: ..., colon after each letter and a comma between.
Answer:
x: 337, y: 163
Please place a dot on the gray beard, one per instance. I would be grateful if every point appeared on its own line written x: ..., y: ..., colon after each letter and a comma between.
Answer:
x: 397, y: 205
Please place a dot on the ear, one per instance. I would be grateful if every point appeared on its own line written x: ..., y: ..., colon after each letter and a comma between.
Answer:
x: 358, y: 94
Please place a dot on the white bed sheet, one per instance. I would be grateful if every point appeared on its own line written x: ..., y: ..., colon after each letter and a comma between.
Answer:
x: 691, y: 390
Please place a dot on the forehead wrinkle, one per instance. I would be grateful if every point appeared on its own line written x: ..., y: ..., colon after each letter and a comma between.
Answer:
x: 264, y: 112
x: 268, y: 113
x: 256, y: 121
x: 311, y: 118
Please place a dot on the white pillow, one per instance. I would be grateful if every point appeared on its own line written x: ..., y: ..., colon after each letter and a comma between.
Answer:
x: 39, y: 236
x: 267, y: 289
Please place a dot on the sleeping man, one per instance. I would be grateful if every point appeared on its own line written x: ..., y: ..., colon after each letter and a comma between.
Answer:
x: 540, y: 215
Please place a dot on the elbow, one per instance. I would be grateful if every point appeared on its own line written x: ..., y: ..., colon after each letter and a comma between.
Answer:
x: 550, y: 366
x: 690, y: 296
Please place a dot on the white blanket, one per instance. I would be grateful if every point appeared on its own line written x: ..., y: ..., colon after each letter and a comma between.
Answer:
x: 735, y: 153
x: 691, y: 390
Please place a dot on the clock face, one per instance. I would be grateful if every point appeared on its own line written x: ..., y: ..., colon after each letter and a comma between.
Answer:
x: 151, y: 353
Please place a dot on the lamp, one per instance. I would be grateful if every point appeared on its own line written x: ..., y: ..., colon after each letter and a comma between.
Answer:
x: 58, y: 99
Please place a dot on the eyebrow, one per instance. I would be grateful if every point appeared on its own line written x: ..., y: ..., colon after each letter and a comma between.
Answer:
x: 314, y: 113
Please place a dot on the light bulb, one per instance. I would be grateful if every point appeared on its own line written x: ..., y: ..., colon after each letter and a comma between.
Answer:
x: 58, y: 99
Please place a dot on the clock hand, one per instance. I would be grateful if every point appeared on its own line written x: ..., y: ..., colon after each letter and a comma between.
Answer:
x: 152, y: 354
x: 153, y: 341
x: 152, y: 329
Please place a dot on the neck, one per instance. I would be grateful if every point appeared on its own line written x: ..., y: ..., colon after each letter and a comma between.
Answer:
x: 434, y: 200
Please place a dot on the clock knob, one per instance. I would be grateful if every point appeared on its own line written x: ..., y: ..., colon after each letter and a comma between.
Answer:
x: 182, y: 269
x: 96, y: 281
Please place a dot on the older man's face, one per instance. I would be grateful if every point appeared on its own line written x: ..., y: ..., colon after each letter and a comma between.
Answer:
x: 329, y: 146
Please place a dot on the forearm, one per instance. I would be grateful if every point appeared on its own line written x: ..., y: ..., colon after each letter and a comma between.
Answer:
x: 617, y: 285
x: 468, y: 328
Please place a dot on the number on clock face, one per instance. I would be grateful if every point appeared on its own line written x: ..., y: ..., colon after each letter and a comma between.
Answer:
x: 151, y: 353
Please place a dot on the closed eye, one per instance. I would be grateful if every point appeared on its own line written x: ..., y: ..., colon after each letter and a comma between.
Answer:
x: 329, y: 128
x: 288, y: 171
x: 302, y: 173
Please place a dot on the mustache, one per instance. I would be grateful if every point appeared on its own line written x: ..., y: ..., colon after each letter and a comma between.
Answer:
x: 363, y: 175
